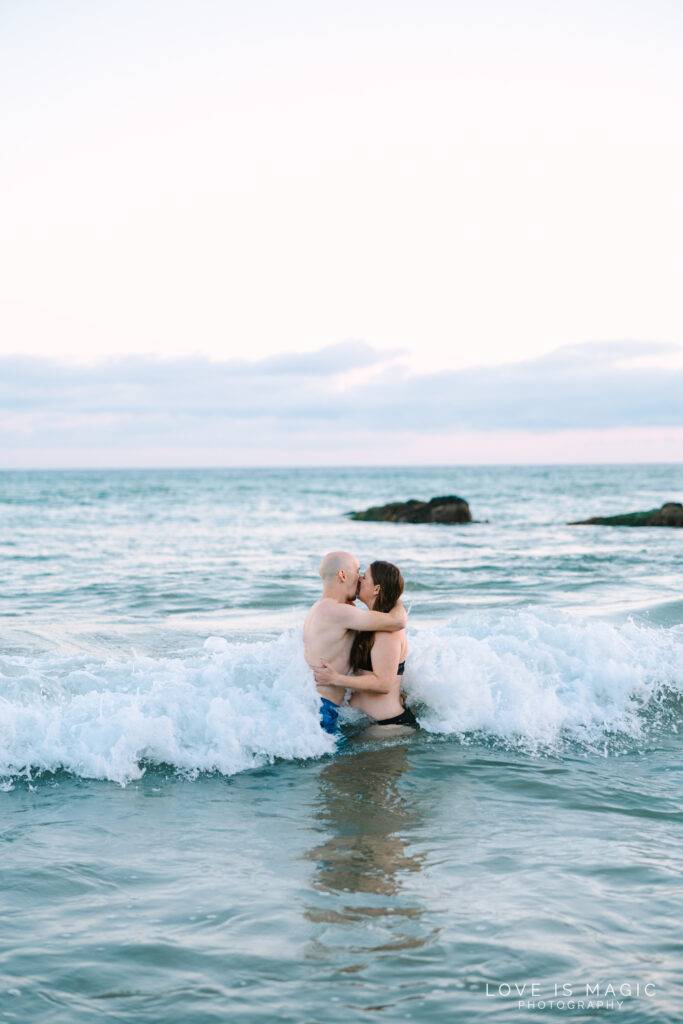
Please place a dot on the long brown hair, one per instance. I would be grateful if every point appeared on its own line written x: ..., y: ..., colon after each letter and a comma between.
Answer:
x: 390, y: 589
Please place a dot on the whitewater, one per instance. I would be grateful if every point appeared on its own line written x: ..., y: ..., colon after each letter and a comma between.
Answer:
x: 535, y: 680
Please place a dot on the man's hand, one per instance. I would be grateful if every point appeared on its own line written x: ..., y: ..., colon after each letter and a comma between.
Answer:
x: 325, y: 675
x: 399, y: 614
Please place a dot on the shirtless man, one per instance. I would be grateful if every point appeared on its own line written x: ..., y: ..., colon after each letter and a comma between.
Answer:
x: 332, y: 621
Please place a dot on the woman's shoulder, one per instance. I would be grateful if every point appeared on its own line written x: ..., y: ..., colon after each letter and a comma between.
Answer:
x: 388, y: 651
x: 390, y: 641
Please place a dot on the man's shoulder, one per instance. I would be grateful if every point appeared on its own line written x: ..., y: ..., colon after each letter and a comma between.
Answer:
x: 328, y: 607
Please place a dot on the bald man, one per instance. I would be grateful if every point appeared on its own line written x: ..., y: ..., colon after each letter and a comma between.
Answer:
x: 332, y: 622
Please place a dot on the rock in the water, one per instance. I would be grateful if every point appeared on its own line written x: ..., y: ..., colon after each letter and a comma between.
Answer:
x: 439, y: 510
x: 670, y: 514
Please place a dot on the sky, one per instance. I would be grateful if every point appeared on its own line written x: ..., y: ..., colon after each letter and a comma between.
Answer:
x: 340, y: 233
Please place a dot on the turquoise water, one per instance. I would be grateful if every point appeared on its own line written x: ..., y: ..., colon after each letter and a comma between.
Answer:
x: 181, y: 843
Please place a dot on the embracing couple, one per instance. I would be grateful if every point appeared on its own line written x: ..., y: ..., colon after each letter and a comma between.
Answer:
x: 339, y: 637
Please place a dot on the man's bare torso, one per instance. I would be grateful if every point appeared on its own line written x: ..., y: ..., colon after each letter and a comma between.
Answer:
x: 326, y: 638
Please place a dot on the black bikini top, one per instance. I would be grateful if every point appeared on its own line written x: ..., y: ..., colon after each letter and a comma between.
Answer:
x: 367, y: 667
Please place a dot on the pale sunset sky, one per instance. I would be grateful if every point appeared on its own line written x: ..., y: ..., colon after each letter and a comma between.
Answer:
x: 321, y: 233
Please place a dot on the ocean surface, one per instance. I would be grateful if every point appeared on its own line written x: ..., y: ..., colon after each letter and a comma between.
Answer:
x: 181, y: 843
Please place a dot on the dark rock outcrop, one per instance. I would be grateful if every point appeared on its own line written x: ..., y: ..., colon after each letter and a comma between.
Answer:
x: 670, y: 514
x: 439, y: 510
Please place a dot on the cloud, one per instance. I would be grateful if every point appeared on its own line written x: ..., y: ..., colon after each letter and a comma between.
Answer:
x: 597, y: 385
x: 306, y: 401
x: 344, y: 356
x: 147, y: 385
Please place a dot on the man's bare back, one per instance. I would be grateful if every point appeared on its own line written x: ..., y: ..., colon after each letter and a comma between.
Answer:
x: 326, y: 638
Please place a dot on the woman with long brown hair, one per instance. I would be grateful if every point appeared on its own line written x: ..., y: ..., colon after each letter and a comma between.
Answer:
x: 378, y: 657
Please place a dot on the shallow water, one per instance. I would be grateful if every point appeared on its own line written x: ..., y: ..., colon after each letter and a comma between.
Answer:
x: 180, y: 842
x: 395, y: 881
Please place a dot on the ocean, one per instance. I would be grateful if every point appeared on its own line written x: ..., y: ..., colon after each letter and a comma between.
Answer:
x: 181, y: 843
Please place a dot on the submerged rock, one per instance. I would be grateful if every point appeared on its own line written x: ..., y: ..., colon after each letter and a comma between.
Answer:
x: 450, y: 509
x: 670, y: 514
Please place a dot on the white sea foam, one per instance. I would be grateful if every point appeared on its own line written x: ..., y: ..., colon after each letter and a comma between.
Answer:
x: 540, y: 677
x: 226, y: 708
x: 537, y: 678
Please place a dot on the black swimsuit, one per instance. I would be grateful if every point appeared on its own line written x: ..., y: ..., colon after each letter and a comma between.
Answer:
x: 406, y: 717
x: 367, y: 667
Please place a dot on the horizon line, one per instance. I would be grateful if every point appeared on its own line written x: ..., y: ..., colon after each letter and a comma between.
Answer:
x: 326, y: 466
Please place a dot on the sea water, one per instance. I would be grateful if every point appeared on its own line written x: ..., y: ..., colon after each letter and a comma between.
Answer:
x: 182, y: 843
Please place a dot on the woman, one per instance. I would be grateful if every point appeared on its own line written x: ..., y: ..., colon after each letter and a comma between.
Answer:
x: 376, y: 658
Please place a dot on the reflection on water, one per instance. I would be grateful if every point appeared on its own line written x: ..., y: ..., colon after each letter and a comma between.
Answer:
x: 359, y: 899
x: 361, y: 805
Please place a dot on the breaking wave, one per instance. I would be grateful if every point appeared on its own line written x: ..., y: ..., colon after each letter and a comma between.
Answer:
x: 534, y: 679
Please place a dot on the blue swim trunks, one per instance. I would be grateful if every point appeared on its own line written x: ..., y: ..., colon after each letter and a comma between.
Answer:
x: 329, y: 713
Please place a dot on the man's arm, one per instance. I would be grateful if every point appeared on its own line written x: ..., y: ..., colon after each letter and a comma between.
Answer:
x: 325, y: 675
x: 362, y: 621
x: 385, y: 658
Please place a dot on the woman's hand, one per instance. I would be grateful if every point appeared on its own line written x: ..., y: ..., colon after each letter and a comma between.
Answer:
x: 325, y: 675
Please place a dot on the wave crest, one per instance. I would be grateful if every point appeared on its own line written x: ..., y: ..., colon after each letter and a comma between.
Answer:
x: 537, y: 679
x: 542, y: 678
